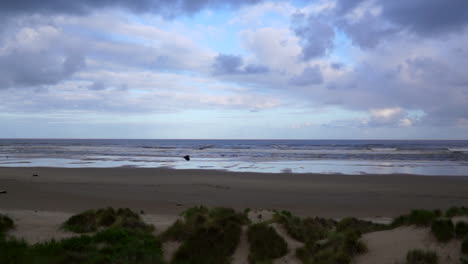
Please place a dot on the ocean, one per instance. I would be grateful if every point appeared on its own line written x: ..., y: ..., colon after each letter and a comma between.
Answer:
x: 426, y: 157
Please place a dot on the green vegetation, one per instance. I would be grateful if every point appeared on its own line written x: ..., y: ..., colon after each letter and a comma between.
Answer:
x: 113, y: 245
x: 337, y: 248
x: 419, y: 217
x: 307, y: 230
x: 6, y: 223
x: 418, y: 256
x: 93, y: 220
x: 208, y: 235
x: 464, y: 246
x: 265, y: 244
x: 461, y: 230
x: 360, y: 226
x: 443, y: 229
x: 456, y: 211
x: 327, y: 241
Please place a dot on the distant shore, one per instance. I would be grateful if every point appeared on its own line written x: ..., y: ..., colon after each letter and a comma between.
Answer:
x: 169, y: 192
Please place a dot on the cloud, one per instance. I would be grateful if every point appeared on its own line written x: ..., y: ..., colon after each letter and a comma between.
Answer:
x: 167, y: 8
x: 33, y: 56
x: 277, y: 48
x: 368, y: 22
x: 316, y: 36
x: 232, y: 64
x: 394, y: 116
x: 310, y: 76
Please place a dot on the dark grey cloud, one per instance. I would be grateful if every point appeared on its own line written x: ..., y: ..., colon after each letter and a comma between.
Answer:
x: 430, y: 70
x: 368, y: 31
x: 316, y: 35
x: 167, y: 8
x: 310, y: 76
x: 337, y: 66
x: 427, y: 18
x: 232, y: 64
x: 32, y: 69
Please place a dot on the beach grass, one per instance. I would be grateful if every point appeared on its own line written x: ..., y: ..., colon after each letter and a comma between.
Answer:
x: 418, y: 217
x: 464, y: 245
x: 306, y: 230
x: 265, y: 244
x: 211, y: 236
x: 114, y: 245
x: 461, y: 230
x: 418, y: 256
x: 338, y: 247
x: 93, y: 220
x: 361, y: 226
x: 456, y: 211
x: 207, y: 235
x: 327, y: 241
x: 443, y: 229
x: 6, y: 223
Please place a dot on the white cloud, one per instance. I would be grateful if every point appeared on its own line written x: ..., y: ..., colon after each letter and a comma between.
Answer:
x: 278, y: 48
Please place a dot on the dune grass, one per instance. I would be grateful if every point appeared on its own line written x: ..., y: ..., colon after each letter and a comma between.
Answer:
x: 338, y: 247
x: 304, y: 230
x: 114, y: 245
x: 360, y: 226
x: 464, y: 245
x: 327, y: 241
x: 207, y: 235
x: 94, y: 220
x: 456, y: 211
x: 461, y: 230
x: 265, y: 244
x: 6, y: 223
x: 418, y: 217
x: 443, y: 229
x: 417, y: 256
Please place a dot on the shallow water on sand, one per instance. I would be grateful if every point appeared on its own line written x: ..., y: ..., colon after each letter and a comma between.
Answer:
x: 297, y: 156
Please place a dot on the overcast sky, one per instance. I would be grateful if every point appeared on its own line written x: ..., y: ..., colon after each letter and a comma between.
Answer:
x: 325, y: 69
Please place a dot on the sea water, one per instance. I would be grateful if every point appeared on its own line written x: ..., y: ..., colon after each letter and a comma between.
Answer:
x: 427, y: 157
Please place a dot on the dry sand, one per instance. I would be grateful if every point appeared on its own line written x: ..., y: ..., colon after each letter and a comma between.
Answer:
x: 390, y: 247
x: 169, y: 192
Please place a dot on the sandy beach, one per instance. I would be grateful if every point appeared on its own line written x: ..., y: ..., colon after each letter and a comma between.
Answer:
x: 41, y: 199
x: 168, y: 192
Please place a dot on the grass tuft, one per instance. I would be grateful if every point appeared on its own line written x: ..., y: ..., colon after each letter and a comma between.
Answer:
x: 419, y: 217
x: 113, y: 245
x: 456, y: 211
x: 443, y: 229
x: 360, y: 226
x: 306, y: 230
x: 207, y: 235
x: 93, y: 220
x: 6, y: 223
x: 265, y: 244
x: 339, y: 247
x: 464, y: 245
x: 417, y: 256
x: 461, y: 230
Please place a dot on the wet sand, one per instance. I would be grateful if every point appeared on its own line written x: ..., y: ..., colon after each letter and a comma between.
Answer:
x: 168, y: 192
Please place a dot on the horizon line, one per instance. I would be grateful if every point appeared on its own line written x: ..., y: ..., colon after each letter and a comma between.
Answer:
x: 99, y: 138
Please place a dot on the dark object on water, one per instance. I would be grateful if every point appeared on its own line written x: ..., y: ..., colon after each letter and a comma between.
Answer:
x: 178, y: 204
x: 35, y: 175
x: 3, y: 191
x: 187, y: 157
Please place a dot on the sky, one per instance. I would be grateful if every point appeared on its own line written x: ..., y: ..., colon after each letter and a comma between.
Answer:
x: 225, y: 69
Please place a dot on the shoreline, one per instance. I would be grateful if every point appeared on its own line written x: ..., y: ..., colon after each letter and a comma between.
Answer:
x: 168, y: 191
